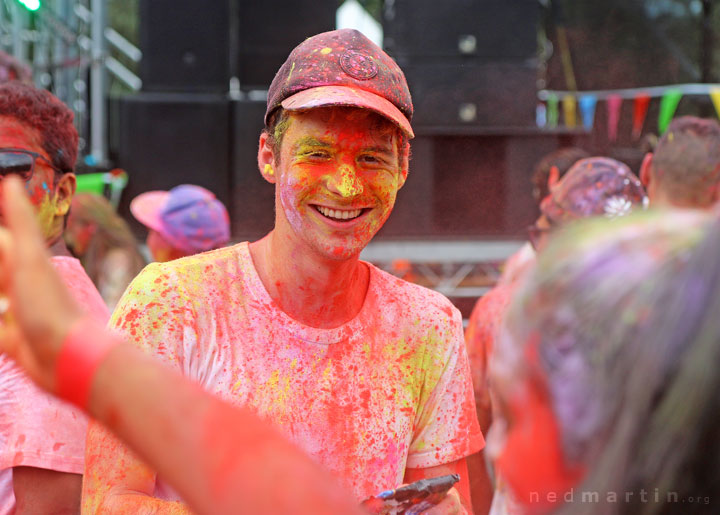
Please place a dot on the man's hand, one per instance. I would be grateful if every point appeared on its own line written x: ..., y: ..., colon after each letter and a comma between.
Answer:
x: 457, y: 499
x: 450, y: 505
x: 37, y: 309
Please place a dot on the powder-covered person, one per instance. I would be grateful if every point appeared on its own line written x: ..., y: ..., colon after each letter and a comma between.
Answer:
x: 42, y: 440
x: 367, y: 373
x: 181, y: 222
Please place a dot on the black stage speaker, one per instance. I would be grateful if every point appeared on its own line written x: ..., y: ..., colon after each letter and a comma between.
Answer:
x: 270, y: 30
x: 468, y: 63
x: 474, y: 95
x: 169, y: 139
x: 185, y: 45
x: 253, y: 197
x: 495, y: 30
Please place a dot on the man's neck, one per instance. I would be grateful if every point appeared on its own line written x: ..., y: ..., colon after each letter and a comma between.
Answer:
x: 317, y: 292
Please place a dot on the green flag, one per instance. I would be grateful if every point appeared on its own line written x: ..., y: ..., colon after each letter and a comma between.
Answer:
x: 668, y: 105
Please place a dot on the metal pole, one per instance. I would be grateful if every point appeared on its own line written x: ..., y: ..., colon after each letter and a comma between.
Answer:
x: 98, y: 111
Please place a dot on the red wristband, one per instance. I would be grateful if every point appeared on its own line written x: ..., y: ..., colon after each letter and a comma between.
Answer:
x: 83, y: 349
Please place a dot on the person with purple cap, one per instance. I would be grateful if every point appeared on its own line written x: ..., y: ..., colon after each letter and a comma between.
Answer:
x: 181, y: 222
x: 592, y: 187
x: 366, y: 373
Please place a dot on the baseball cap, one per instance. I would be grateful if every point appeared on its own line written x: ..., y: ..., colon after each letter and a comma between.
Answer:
x: 189, y: 217
x: 342, y: 68
x: 594, y: 186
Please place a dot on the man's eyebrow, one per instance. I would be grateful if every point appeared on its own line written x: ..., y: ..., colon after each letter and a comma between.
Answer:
x: 379, y: 150
x: 309, y: 141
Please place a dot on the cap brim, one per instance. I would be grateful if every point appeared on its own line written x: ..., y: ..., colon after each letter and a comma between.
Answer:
x: 146, y: 208
x: 323, y: 96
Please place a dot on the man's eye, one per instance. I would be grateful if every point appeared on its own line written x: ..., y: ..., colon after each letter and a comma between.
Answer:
x: 318, y: 154
x: 369, y: 159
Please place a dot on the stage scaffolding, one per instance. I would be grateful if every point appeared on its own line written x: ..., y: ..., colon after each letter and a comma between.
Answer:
x: 71, y: 50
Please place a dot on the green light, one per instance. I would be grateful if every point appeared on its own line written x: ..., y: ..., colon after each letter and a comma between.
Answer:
x: 30, y: 5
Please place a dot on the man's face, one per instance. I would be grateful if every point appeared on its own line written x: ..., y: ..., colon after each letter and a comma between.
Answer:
x: 337, y: 178
x: 50, y: 204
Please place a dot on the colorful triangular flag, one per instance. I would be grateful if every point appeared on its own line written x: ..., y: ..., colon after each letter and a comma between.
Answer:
x: 552, y: 110
x: 570, y: 111
x: 614, y: 103
x: 587, y: 110
x: 640, y: 108
x: 668, y: 105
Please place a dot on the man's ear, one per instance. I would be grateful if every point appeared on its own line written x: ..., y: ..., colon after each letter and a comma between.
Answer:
x: 404, y: 164
x: 64, y: 192
x: 645, y: 174
x: 553, y: 177
x: 266, y: 158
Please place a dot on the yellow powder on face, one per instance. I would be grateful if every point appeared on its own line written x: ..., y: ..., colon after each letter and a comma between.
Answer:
x: 348, y: 185
x: 326, y: 51
x: 46, y: 217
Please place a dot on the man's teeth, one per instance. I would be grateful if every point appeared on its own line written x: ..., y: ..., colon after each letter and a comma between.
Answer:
x: 339, y: 214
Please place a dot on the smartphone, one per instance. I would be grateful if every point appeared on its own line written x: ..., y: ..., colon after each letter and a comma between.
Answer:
x: 411, y: 499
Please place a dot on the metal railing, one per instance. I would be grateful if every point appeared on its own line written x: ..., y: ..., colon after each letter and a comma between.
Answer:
x: 69, y: 46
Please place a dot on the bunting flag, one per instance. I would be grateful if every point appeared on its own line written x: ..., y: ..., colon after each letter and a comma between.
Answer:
x: 614, y: 103
x: 552, y: 111
x: 569, y: 105
x: 715, y: 97
x: 668, y: 105
x: 587, y: 110
x: 640, y: 108
x: 586, y: 101
x: 541, y: 115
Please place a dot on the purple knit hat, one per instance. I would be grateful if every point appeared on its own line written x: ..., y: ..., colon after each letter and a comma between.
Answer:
x: 189, y: 217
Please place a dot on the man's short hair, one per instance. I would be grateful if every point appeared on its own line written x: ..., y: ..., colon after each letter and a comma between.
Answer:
x: 686, y: 161
x: 563, y: 159
x: 44, y: 112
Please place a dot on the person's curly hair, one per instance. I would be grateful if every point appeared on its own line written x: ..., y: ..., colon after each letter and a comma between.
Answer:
x: 44, y: 112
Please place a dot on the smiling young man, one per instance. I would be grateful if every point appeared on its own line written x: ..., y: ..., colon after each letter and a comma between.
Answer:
x: 42, y: 440
x: 365, y: 372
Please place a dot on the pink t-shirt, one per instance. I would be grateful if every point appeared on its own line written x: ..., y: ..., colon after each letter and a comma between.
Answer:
x: 388, y: 390
x: 36, y: 429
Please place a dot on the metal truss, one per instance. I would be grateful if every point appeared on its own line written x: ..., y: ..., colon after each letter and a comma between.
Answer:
x: 70, y: 49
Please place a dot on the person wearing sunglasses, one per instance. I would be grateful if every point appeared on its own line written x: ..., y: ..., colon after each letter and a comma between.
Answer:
x: 42, y: 441
x: 595, y: 186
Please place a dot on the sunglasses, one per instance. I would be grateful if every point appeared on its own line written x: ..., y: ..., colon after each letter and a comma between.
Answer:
x: 21, y: 162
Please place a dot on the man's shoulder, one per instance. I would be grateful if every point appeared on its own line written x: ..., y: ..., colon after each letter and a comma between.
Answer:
x: 198, y: 269
x: 413, y: 299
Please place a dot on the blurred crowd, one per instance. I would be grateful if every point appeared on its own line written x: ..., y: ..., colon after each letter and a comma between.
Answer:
x: 586, y: 383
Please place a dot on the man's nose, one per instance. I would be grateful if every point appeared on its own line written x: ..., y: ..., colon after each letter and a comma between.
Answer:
x: 345, y: 182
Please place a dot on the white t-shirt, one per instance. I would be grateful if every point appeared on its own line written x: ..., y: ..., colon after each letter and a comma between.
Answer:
x: 388, y: 390
x: 37, y: 429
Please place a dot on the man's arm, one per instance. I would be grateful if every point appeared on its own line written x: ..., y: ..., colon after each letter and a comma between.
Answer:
x: 221, y: 459
x: 116, y: 480
x: 46, y: 491
x: 458, y: 498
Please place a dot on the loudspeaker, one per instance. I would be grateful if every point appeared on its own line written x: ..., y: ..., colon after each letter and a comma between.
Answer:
x: 495, y: 30
x: 253, y: 197
x: 270, y: 30
x: 185, y: 45
x: 169, y: 139
x: 474, y: 95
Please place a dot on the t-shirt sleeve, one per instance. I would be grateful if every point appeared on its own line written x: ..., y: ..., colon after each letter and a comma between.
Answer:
x: 446, y: 426
x: 157, y: 315
x: 36, y: 429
